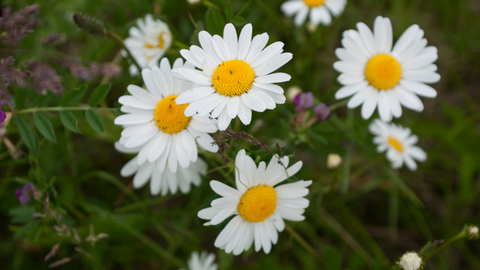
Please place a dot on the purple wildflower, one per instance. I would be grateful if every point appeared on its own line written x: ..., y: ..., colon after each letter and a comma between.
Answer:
x: 3, y: 115
x: 321, y: 111
x: 24, y: 194
x: 303, y: 101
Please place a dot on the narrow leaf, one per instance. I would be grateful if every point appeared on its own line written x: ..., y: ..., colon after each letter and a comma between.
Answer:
x: 228, y: 10
x: 26, y: 133
x: 99, y: 94
x: 218, y: 20
x: 69, y: 121
x: 238, y: 20
x: 72, y: 96
x: 44, y: 126
x: 94, y: 120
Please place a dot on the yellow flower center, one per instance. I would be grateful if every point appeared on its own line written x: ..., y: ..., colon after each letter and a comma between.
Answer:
x: 258, y: 203
x: 395, y: 144
x: 233, y: 78
x: 170, y: 117
x: 313, y: 3
x: 383, y: 71
x: 161, y: 42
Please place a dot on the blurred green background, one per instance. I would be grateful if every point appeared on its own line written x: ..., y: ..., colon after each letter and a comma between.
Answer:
x: 367, y: 227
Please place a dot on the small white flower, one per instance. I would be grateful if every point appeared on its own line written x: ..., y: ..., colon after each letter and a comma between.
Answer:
x: 319, y: 10
x: 259, y: 207
x: 161, y: 182
x: 398, y: 142
x: 236, y: 75
x: 148, y: 42
x: 193, y: 2
x: 333, y: 161
x: 410, y: 261
x: 154, y: 122
x: 379, y: 76
x: 472, y: 232
x: 203, y: 262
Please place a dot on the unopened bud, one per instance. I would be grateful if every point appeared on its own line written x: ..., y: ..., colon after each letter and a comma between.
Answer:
x: 292, y: 92
x: 311, y: 27
x: 89, y: 24
x: 333, y: 161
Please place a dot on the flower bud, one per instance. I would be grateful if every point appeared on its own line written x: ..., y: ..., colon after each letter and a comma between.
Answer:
x: 303, y: 101
x: 292, y: 92
x: 322, y: 111
x: 333, y: 161
x: 89, y: 24
x: 472, y: 232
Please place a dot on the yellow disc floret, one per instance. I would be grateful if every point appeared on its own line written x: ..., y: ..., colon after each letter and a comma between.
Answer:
x: 395, y: 144
x: 314, y: 3
x: 258, y: 203
x: 161, y: 42
x: 170, y: 117
x: 233, y: 78
x: 383, y: 72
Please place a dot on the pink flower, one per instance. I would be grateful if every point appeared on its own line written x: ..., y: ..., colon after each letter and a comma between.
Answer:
x: 303, y: 101
x: 24, y: 194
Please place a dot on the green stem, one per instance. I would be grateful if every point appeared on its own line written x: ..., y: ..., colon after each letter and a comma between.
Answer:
x: 180, y: 45
x: 304, y: 243
x: 47, y: 109
x: 243, y: 8
x: 451, y: 240
x: 120, y: 41
x: 338, y: 105
x: 208, y: 4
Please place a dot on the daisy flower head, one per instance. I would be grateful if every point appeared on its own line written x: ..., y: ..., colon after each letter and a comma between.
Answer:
x: 235, y: 77
x: 399, y: 142
x: 156, y: 124
x: 378, y: 75
x: 259, y: 207
x: 204, y: 261
x: 148, y: 42
x: 161, y: 182
x: 319, y: 10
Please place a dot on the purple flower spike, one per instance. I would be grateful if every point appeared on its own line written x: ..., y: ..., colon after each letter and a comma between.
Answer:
x: 303, y: 101
x: 24, y: 194
x: 3, y: 115
x: 321, y: 111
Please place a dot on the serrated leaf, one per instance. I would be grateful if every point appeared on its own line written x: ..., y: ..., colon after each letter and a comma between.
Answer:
x: 99, y: 94
x: 72, y: 96
x: 26, y: 133
x: 44, y: 126
x: 238, y: 20
x: 69, y: 121
x: 94, y: 120
x: 228, y: 10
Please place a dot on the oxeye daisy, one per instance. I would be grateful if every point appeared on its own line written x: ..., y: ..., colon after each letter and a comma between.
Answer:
x: 379, y: 76
x: 398, y: 142
x: 236, y: 75
x: 161, y: 182
x: 319, y: 10
x: 148, y: 42
x: 154, y: 122
x: 259, y: 207
x: 204, y: 261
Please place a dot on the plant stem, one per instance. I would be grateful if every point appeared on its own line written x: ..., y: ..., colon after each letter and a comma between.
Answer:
x: 243, y: 8
x: 304, y: 243
x: 338, y: 105
x: 120, y: 40
x: 451, y: 240
x: 46, y: 109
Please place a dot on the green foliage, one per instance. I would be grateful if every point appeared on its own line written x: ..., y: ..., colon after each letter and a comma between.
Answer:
x: 26, y: 133
x: 94, y: 120
x: 99, y: 94
x: 69, y: 121
x: 73, y: 96
x: 44, y: 126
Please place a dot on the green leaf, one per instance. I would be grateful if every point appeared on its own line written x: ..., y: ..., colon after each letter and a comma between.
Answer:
x: 21, y: 214
x: 42, y: 100
x: 72, y: 96
x: 26, y: 132
x: 214, y: 21
x: 44, y: 126
x: 318, y: 137
x: 20, y: 96
x: 69, y: 121
x: 238, y: 20
x: 333, y: 259
x: 228, y: 10
x: 99, y: 94
x: 94, y: 120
